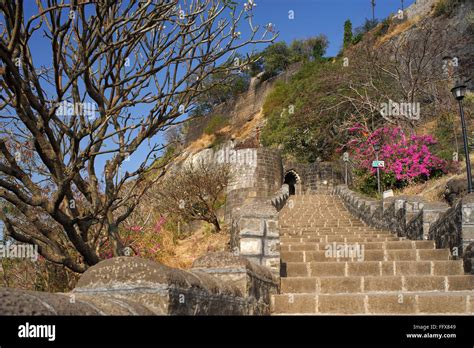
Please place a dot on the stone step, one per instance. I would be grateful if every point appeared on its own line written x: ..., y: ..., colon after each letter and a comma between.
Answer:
x: 319, y: 224
x: 339, y: 232
x: 372, y: 268
x: 385, y: 284
x: 356, y: 253
x: 403, y: 244
x: 316, y: 225
x: 375, y: 303
x: 391, y: 275
x: 330, y: 239
x: 335, y: 234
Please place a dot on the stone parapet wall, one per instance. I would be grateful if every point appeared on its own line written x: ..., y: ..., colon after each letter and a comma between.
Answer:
x: 413, y: 218
x: 218, y: 284
x: 315, y: 177
x: 259, y: 180
x: 255, y: 233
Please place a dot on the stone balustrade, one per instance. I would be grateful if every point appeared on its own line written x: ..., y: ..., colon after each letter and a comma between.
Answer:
x: 413, y: 218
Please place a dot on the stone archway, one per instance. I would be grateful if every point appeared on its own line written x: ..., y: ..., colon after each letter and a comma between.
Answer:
x: 293, y: 180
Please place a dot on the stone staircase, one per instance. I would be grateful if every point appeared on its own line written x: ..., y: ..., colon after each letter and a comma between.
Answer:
x: 332, y: 263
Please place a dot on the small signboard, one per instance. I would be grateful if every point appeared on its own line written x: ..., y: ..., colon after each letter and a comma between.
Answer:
x: 378, y: 164
x: 345, y: 157
x: 387, y: 194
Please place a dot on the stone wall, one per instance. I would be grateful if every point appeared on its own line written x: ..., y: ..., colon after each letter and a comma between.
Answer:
x: 218, y: 284
x: 255, y: 233
x: 413, y: 218
x: 315, y: 177
x: 250, y: 182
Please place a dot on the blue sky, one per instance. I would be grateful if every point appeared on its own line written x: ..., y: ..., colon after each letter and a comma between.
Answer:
x: 311, y: 17
x: 314, y: 17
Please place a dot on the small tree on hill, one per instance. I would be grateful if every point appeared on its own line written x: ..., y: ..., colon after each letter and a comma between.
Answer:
x: 347, y: 33
x: 276, y: 58
x: 196, y: 192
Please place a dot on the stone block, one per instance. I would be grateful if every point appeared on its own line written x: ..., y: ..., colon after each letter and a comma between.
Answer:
x: 298, y: 285
x: 251, y: 246
x: 399, y: 204
x: 297, y: 303
x: 367, y: 268
x: 330, y: 285
x: 413, y: 268
x: 273, y: 263
x: 251, y: 226
x: 271, y: 247
x: 392, y: 304
x: 272, y: 228
x: 383, y: 284
x: 297, y: 269
x: 341, y: 304
x: 437, y: 303
x: 426, y: 283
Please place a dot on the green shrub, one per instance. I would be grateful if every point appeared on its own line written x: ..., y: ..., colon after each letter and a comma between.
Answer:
x: 218, y: 141
x: 383, y: 28
x: 366, y: 183
x: 292, y: 109
x: 448, y: 133
x: 347, y: 33
x: 215, y: 123
x: 445, y: 7
x: 357, y: 38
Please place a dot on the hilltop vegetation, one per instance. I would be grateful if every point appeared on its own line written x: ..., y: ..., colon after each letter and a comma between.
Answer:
x: 389, y: 74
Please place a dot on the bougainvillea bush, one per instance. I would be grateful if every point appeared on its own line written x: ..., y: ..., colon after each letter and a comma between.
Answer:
x: 408, y: 158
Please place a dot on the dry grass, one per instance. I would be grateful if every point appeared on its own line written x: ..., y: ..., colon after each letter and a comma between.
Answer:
x: 183, y: 253
x: 204, y: 141
x: 237, y: 132
x: 433, y: 190
x: 397, y: 30
x: 246, y: 131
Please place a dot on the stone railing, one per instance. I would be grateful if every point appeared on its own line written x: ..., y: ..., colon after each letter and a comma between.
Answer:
x: 218, y: 284
x: 413, y: 218
x: 255, y: 234
x: 279, y: 199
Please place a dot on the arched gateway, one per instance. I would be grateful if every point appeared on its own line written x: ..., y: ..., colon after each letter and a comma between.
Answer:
x: 293, y: 180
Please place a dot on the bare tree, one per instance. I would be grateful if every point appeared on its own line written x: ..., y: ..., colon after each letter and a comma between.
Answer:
x: 407, y: 68
x: 196, y: 191
x: 120, y: 72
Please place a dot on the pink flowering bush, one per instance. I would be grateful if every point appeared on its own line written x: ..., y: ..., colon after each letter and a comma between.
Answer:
x: 407, y: 158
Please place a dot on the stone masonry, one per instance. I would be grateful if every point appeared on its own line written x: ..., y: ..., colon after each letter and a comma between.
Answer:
x: 334, y: 263
x: 218, y: 284
x: 411, y: 217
